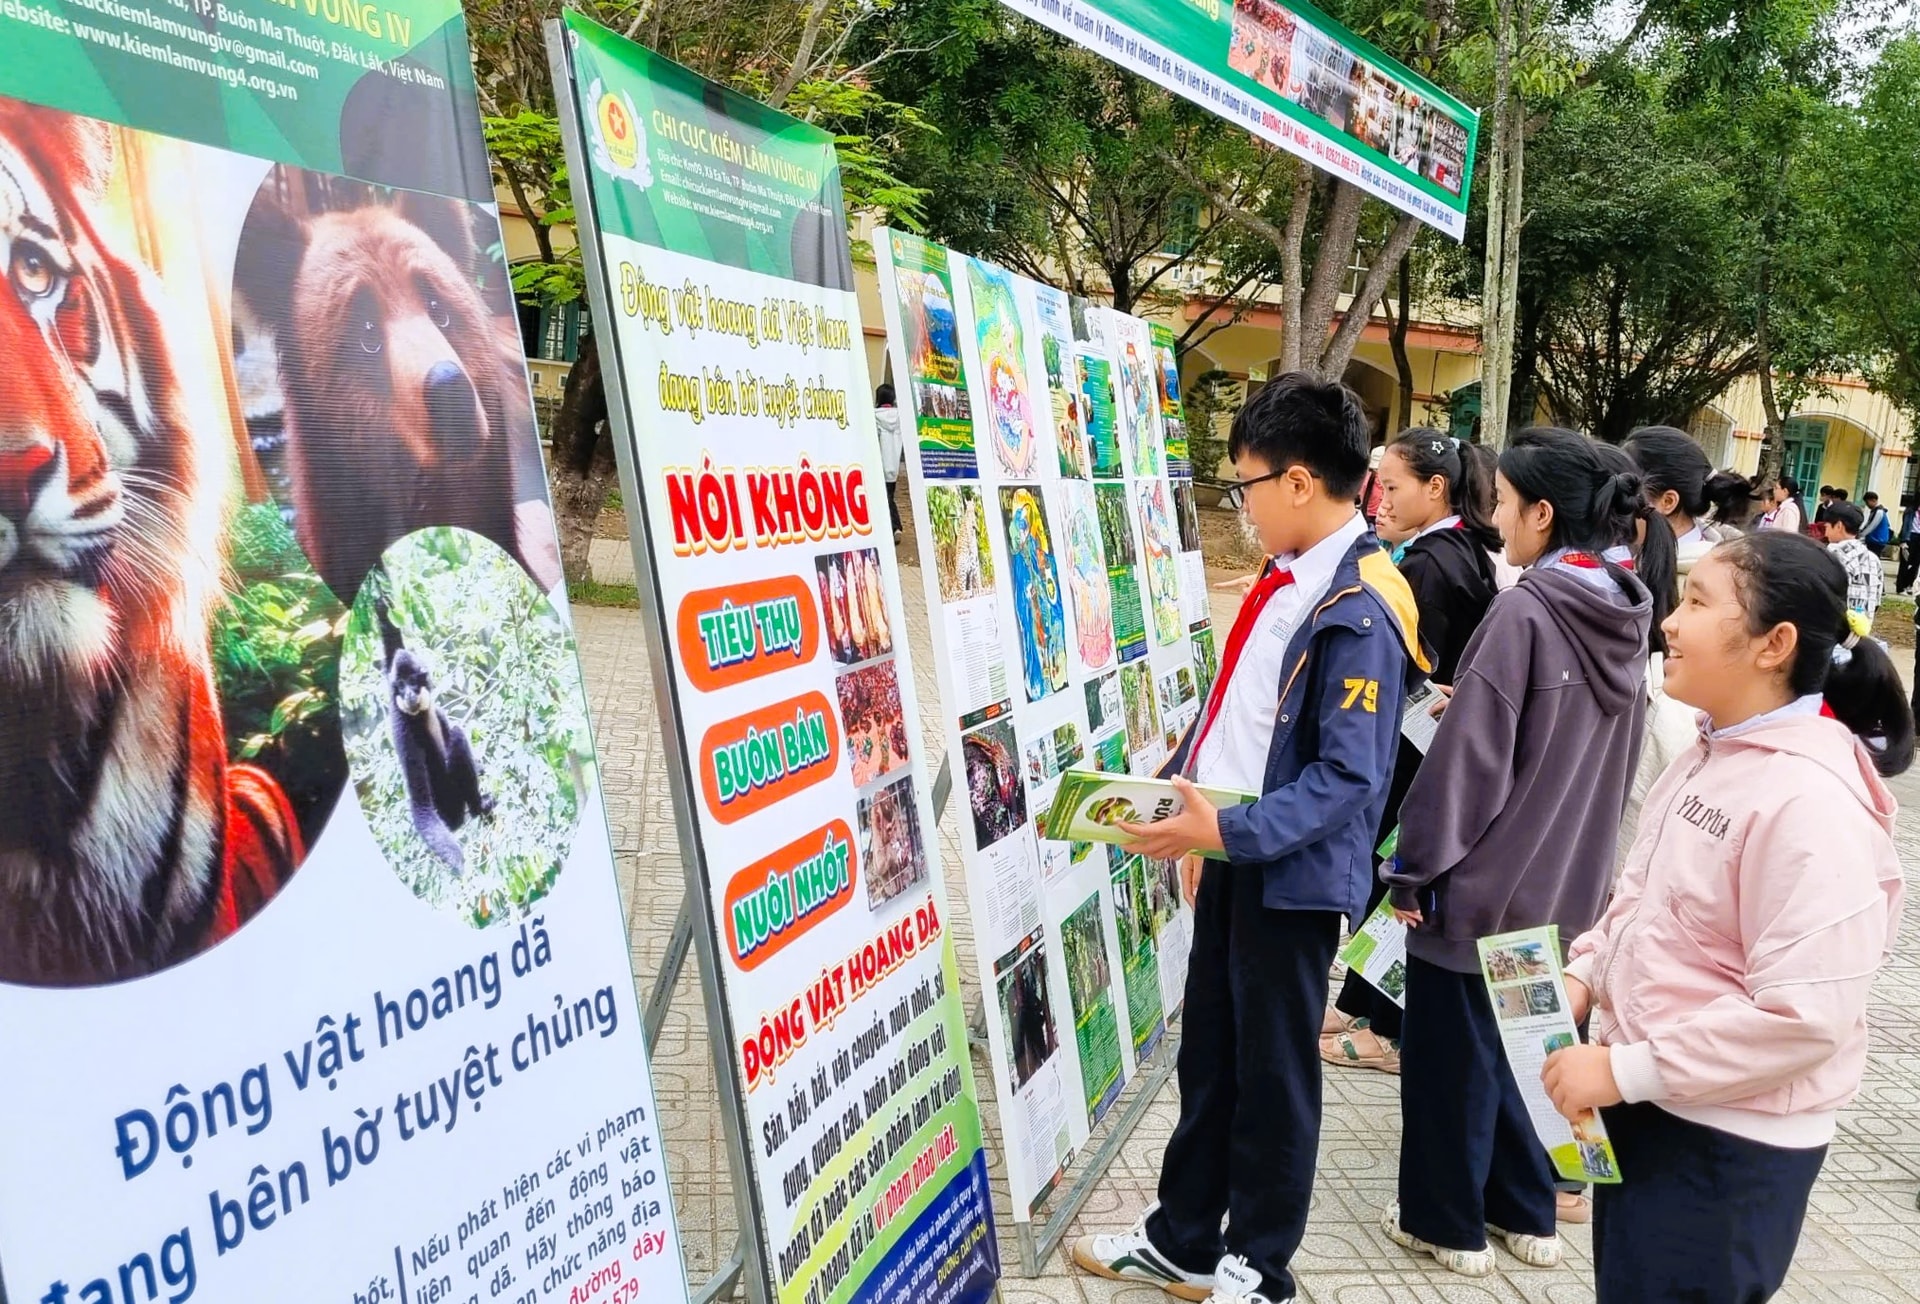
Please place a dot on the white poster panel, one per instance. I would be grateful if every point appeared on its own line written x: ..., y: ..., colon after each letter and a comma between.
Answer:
x: 1036, y: 426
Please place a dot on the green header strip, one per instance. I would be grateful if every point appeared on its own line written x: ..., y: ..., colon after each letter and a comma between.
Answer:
x: 683, y: 164
x: 381, y: 90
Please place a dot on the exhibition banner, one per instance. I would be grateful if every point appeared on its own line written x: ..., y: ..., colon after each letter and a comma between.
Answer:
x: 313, y: 982
x: 718, y: 252
x: 1069, y: 613
x: 1296, y: 79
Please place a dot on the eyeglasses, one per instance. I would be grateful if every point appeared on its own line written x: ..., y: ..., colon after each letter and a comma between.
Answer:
x: 1243, y: 485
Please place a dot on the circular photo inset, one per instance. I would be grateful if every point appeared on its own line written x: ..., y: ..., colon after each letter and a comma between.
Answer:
x: 465, y: 724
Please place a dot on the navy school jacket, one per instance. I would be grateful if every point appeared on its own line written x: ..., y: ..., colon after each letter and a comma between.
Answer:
x: 1349, y: 666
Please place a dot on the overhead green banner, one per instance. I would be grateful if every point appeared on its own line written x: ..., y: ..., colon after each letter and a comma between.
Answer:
x: 1296, y: 79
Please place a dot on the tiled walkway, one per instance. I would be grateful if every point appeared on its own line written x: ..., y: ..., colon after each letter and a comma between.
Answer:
x: 1862, y: 1243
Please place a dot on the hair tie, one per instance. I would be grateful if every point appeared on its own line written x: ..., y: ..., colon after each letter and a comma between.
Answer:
x: 1858, y: 627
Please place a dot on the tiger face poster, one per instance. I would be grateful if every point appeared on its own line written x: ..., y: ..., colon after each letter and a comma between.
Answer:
x: 311, y: 966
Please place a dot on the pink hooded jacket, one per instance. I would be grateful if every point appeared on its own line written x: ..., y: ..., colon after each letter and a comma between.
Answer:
x: 1762, y: 893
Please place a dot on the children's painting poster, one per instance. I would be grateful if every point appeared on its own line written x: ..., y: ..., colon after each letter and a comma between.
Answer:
x: 942, y: 416
x: 312, y: 965
x: 1038, y: 616
x: 1066, y: 627
x: 836, y: 997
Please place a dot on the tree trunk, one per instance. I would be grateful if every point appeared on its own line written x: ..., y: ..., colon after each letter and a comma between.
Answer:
x: 583, y: 468
x: 1496, y: 327
x: 1773, y: 448
x: 1292, y: 284
x: 1339, y: 224
x: 1339, y: 350
x: 1397, y: 340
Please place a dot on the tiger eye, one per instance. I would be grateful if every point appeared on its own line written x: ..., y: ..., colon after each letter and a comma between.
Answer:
x: 32, y: 271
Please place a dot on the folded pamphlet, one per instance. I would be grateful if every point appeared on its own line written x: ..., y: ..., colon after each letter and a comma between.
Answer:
x: 1418, y: 724
x: 1522, y: 973
x: 1378, y: 953
x: 1091, y: 804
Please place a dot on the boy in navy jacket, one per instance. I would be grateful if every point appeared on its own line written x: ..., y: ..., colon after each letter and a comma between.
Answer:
x: 1306, y: 711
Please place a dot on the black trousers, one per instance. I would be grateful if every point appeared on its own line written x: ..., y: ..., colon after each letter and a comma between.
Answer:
x: 1909, y: 566
x: 1703, y: 1216
x: 893, y: 504
x: 1468, y: 1152
x: 1248, y: 1140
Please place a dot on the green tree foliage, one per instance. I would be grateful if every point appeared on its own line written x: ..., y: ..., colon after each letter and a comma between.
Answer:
x: 1635, y: 295
x: 1874, y: 194
x: 276, y: 648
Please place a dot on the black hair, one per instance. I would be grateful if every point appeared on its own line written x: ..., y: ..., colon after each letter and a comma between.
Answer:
x: 1670, y: 460
x: 1849, y: 515
x: 1297, y: 419
x: 1593, y: 501
x: 1731, y: 496
x: 1468, y: 471
x: 1788, y: 579
x: 1656, y: 553
x: 1840, y: 495
x: 883, y: 396
x: 1870, y: 497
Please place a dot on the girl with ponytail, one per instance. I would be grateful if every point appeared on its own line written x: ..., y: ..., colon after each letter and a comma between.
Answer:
x: 1728, y: 981
x: 1437, y: 493
x: 1511, y: 823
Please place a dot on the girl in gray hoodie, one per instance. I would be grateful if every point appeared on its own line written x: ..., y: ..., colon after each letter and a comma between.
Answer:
x: 1511, y: 824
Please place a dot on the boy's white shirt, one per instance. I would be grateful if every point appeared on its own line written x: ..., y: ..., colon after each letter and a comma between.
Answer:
x: 1234, y: 752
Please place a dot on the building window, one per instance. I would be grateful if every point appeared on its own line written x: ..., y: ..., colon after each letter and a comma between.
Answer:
x: 553, y: 332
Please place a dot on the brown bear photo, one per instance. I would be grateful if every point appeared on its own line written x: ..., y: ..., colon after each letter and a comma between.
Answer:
x: 383, y: 380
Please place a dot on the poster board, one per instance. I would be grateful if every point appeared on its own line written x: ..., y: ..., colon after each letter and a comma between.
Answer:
x: 313, y: 981
x: 1295, y: 78
x: 717, y: 254
x: 1061, y: 556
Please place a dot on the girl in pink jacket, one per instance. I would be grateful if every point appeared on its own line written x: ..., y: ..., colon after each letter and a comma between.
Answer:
x: 1728, y: 980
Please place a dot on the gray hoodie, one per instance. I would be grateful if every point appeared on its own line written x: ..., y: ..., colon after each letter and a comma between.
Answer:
x: 1513, y: 818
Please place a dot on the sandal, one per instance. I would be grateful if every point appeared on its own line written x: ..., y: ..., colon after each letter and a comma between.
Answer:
x: 1572, y: 1207
x: 1336, y: 1022
x: 1344, y: 1050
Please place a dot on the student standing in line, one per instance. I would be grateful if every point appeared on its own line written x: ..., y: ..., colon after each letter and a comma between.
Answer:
x: 1728, y: 981
x: 1511, y: 823
x: 1438, y: 491
x: 1787, y: 514
x: 1866, y: 578
x: 1306, y: 712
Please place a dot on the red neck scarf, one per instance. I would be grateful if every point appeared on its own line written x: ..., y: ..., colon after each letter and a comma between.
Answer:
x: 1264, y: 588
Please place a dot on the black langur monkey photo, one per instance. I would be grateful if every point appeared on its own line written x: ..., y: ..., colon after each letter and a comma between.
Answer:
x: 443, y: 782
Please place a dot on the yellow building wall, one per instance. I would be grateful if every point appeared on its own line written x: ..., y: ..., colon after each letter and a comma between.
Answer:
x: 1859, y: 422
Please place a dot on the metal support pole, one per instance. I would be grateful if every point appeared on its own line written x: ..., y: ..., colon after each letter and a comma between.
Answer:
x: 1037, y: 1248
x: 660, y: 999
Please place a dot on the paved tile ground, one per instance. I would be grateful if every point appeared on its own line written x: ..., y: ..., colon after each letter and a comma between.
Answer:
x: 1862, y: 1242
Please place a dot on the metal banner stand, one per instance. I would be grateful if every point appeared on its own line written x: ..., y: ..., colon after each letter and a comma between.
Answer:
x: 1035, y: 1247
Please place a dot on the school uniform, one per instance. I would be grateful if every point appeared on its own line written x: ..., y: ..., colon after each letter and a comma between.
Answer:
x: 1730, y: 979
x: 1306, y: 711
x: 1511, y: 823
x: 1453, y: 582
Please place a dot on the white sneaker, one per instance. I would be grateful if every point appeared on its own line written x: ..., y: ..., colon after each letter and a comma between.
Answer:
x: 1467, y: 1263
x: 1236, y: 1283
x: 1130, y: 1256
x: 1534, y: 1251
